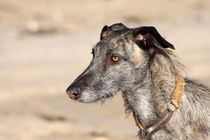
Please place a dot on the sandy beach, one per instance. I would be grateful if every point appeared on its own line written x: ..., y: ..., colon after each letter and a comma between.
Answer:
x: 46, y: 44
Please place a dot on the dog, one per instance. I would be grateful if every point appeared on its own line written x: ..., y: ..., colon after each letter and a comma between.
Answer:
x: 142, y: 66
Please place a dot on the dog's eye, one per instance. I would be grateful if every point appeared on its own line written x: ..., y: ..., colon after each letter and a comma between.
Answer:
x: 115, y: 58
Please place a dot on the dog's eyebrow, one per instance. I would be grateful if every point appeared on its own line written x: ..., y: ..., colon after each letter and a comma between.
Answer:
x: 109, y: 51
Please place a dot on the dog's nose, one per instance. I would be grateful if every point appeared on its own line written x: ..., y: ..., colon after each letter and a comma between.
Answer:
x: 74, y: 93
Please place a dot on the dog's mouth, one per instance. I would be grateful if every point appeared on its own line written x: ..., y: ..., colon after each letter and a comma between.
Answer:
x: 107, y: 96
x: 103, y: 99
x: 87, y: 98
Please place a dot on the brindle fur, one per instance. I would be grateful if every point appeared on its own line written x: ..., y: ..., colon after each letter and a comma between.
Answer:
x: 146, y: 76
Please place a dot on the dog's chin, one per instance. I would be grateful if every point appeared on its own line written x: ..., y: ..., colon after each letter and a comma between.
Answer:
x: 90, y: 98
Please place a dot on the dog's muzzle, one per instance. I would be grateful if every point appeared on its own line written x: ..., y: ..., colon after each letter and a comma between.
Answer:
x: 73, y: 92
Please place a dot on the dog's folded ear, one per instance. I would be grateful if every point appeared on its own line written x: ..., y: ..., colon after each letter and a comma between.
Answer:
x: 113, y: 29
x: 147, y: 37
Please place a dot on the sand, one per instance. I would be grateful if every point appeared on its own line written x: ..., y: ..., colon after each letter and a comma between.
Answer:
x: 45, y: 45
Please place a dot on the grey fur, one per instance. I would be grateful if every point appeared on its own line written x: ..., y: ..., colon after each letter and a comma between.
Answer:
x: 146, y: 76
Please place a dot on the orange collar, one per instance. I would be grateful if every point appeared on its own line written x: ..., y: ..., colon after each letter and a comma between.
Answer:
x: 166, y: 115
x: 178, y: 92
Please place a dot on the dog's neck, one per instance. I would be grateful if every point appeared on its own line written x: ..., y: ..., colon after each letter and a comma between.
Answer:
x: 140, y: 102
x: 151, y: 97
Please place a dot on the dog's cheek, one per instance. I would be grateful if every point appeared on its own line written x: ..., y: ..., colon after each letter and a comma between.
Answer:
x: 126, y: 76
x: 97, y: 85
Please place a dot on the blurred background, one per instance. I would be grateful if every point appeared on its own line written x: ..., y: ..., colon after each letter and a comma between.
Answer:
x: 46, y: 44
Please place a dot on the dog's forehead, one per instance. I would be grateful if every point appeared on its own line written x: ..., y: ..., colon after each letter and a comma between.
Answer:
x: 116, y: 40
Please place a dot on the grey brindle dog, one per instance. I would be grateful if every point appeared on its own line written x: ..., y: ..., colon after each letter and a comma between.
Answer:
x: 141, y: 65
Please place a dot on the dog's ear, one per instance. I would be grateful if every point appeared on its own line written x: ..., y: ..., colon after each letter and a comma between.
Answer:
x: 113, y: 29
x: 147, y: 37
x: 104, y: 32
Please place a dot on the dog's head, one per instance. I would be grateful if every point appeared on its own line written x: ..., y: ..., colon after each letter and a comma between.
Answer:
x: 120, y: 61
